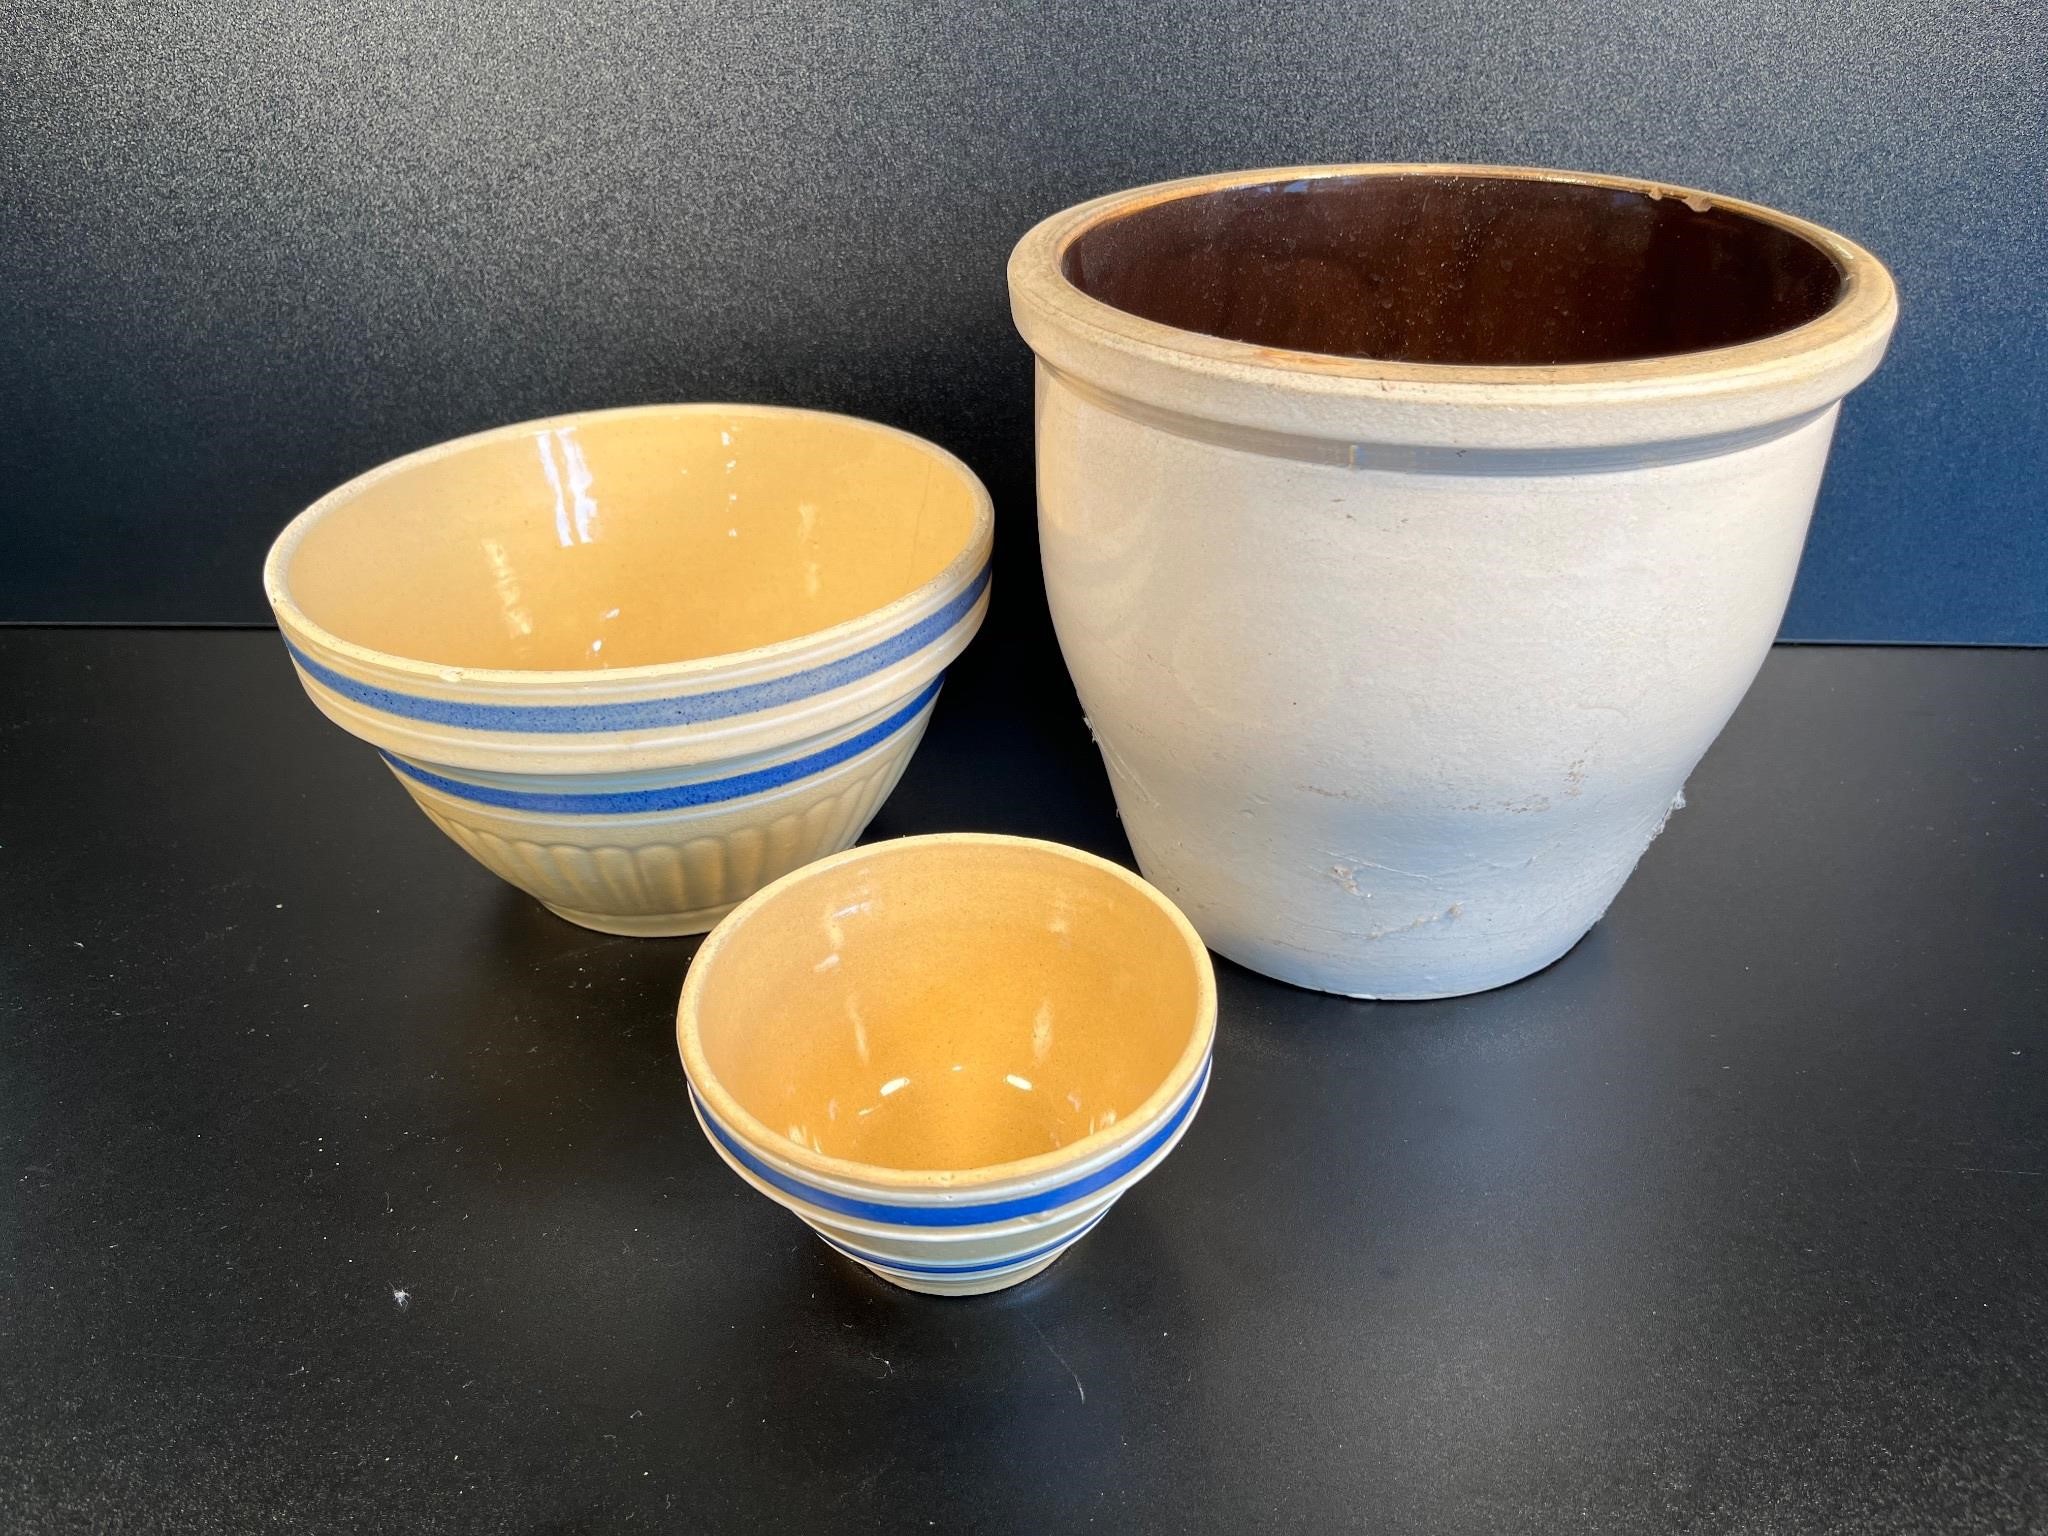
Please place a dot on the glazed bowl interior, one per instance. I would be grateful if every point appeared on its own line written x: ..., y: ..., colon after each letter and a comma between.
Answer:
x: 1477, y: 269
x: 949, y: 1004
x: 629, y: 538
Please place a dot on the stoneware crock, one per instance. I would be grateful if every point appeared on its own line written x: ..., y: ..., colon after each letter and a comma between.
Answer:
x: 1411, y: 531
x: 949, y: 1055
x: 640, y: 662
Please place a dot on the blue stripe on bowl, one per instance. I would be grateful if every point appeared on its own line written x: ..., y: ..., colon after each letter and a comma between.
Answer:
x: 652, y: 714
x: 672, y: 797
x: 956, y: 1215
x: 984, y: 1267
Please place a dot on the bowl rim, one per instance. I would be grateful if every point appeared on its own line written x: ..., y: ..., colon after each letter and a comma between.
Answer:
x: 795, y: 650
x: 1865, y: 303
x: 756, y: 1135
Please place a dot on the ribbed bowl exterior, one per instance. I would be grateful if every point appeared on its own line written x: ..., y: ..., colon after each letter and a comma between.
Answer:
x: 647, y: 806
x: 672, y: 870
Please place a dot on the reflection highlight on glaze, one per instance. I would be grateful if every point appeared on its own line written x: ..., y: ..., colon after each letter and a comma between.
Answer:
x: 505, y: 582
x: 806, y: 524
x: 571, y: 480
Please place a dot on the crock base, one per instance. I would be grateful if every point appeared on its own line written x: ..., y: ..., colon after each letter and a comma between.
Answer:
x: 1299, y: 970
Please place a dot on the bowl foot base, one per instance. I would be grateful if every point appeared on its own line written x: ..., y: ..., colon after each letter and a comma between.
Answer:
x: 659, y: 925
x: 976, y: 1285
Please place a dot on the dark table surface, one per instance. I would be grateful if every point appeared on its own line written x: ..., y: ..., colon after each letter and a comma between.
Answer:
x: 341, y: 1187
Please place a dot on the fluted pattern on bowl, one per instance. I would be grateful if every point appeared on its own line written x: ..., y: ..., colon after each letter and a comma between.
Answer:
x: 650, y: 830
x: 675, y: 873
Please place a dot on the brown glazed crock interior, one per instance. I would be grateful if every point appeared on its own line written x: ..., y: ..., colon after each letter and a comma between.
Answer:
x: 1488, y: 271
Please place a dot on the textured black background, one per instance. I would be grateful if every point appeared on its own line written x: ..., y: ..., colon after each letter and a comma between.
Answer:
x: 249, y: 250
x: 1734, y: 1221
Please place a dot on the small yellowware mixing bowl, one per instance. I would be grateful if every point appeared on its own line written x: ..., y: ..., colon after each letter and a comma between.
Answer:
x: 641, y: 662
x: 949, y: 1055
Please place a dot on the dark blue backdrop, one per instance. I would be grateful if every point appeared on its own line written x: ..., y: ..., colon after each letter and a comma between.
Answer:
x: 250, y: 250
